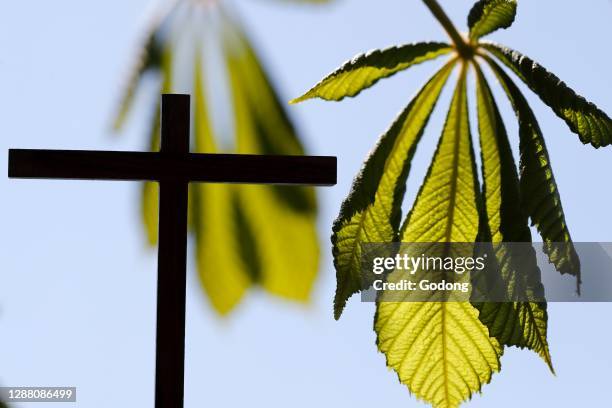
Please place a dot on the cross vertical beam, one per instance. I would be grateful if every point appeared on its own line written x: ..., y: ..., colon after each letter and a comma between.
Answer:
x: 172, y: 259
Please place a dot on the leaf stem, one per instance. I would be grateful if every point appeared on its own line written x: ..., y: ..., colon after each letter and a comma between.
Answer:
x: 462, y: 47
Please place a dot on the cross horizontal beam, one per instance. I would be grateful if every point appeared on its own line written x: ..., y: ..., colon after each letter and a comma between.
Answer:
x: 159, y: 166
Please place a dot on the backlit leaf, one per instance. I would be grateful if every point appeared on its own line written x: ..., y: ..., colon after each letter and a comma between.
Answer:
x: 272, y: 126
x: 441, y: 350
x: 490, y: 15
x: 149, y: 58
x: 522, y: 324
x: 150, y: 190
x: 244, y: 235
x: 583, y: 117
x: 540, y: 197
x: 274, y: 226
x: 372, y: 212
x: 223, y: 274
x: 286, y: 241
x: 365, y: 70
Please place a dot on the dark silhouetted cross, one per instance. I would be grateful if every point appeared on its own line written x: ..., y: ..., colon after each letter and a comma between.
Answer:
x: 174, y: 167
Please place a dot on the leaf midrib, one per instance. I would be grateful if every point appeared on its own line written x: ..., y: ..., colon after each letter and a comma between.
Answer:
x: 451, y: 209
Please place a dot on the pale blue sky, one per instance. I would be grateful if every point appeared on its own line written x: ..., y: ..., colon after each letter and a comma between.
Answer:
x: 77, y: 283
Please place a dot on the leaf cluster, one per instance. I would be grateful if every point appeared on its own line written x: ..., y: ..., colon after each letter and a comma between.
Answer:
x: 445, y: 352
x: 244, y: 236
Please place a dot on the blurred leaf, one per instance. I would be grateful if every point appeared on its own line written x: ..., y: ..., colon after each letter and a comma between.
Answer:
x: 273, y: 129
x: 365, y: 70
x: 583, y: 117
x: 441, y: 350
x: 372, y: 212
x: 150, y: 191
x: 236, y: 244
x: 222, y: 271
x: 149, y: 58
x: 487, y: 16
x: 287, y: 248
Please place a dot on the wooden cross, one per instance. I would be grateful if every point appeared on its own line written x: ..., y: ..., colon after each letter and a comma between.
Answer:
x: 174, y: 167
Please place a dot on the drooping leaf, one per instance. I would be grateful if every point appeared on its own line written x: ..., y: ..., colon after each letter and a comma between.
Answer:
x: 540, y: 197
x: 372, y: 212
x: 149, y: 58
x: 500, y: 180
x: 584, y: 118
x: 441, y: 350
x: 150, y: 190
x: 520, y: 323
x: 223, y: 273
x: 365, y: 70
x: 282, y: 255
x: 487, y: 16
x: 283, y: 232
x: 273, y: 128
x: 513, y: 323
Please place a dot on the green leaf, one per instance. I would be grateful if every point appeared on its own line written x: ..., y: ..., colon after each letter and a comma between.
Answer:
x: 437, y: 214
x: 365, y: 70
x: 487, y: 16
x: 372, y: 212
x: 522, y: 324
x: 223, y: 274
x: 287, y: 249
x: 150, y: 190
x: 236, y: 244
x: 441, y: 350
x: 222, y: 271
x: 149, y: 58
x: 540, y: 197
x: 583, y: 117
x: 273, y: 129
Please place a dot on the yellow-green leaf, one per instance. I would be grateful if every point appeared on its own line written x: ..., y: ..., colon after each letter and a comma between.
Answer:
x: 490, y: 15
x: 222, y: 272
x: 274, y: 132
x: 236, y: 244
x: 365, y: 70
x: 372, y: 212
x: 150, y: 190
x: 287, y: 248
x: 522, y: 324
x: 149, y: 58
x: 584, y: 118
x: 441, y: 350
x: 539, y: 192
